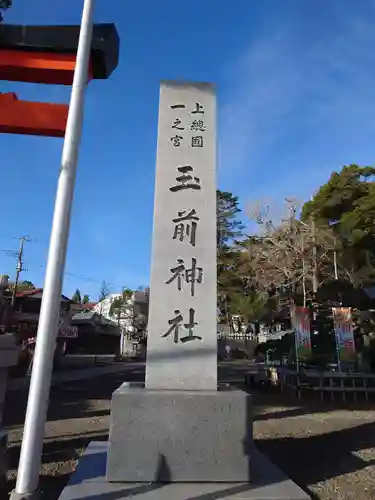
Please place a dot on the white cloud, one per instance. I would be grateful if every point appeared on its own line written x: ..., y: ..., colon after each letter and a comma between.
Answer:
x: 254, y: 111
x: 296, y: 104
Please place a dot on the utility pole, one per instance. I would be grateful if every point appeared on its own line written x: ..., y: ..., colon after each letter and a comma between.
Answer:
x: 19, y: 267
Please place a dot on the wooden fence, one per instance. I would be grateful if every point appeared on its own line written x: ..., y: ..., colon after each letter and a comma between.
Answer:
x: 333, y: 384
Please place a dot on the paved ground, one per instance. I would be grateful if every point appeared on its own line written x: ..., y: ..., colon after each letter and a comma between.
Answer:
x: 328, y: 451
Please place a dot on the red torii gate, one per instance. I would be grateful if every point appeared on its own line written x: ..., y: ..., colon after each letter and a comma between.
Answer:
x: 47, y: 55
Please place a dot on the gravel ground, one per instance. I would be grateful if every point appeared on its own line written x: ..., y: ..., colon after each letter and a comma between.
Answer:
x: 330, y: 452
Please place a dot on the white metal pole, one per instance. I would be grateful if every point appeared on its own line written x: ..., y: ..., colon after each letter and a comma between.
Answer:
x: 296, y: 345
x: 337, y: 339
x: 338, y: 352
x: 294, y: 325
x: 335, y: 265
x: 32, y: 443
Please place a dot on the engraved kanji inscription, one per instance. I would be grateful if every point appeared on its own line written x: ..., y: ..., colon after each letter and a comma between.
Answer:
x: 198, y: 109
x: 177, y: 124
x: 197, y: 126
x: 197, y: 141
x: 186, y: 226
x: 177, y: 106
x: 176, y: 325
x: 182, y: 274
x: 176, y: 140
x: 186, y: 181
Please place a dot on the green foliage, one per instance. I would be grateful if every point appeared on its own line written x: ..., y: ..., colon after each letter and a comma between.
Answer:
x: 335, y: 293
x: 347, y: 203
x: 229, y: 227
x: 251, y: 306
x: 340, y: 195
x: 371, y: 354
x: 25, y: 285
x: 77, y: 297
x: 104, y: 291
x: 120, y: 306
x: 86, y: 299
x: 229, y: 268
x: 323, y: 343
x: 124, y: 308
x: 259, y: 275
x: 278, y: 348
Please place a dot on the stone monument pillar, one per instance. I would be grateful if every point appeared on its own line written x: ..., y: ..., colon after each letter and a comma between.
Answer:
x: 182, y: 331
x: 181, y: 427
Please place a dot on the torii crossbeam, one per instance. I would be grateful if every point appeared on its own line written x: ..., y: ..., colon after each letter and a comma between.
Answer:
x: 47, y: 55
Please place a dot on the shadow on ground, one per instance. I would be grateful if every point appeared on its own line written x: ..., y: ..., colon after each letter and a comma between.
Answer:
x: 59, y: 448
x: 307, y: 461
x: 317, y: 458
x: 71, y: 399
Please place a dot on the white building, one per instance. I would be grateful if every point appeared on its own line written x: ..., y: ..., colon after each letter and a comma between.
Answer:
x: 130, y: 319
x: 137, y: 305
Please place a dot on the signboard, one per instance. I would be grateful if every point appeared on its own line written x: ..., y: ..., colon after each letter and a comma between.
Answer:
x: 343, y: 325
x: 29, y: 330
x: 67, y: 332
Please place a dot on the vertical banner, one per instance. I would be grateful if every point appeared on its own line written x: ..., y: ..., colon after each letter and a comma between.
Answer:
x: 343, y: 325
x: 301, y: 325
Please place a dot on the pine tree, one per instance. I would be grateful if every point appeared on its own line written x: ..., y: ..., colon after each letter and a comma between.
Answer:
x: 229, y: 227
x: 4, y: 4
x: 104, y: 291
x: 77, y: 297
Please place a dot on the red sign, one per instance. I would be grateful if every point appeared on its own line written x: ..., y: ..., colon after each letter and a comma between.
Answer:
x: 67, y: 332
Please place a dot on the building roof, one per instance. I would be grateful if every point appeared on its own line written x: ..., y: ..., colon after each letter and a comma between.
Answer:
x: 87, y: 316
x: 89, y: 305
x: 100, y: 323
x: 83, y: 317
x: 83, y: 307
x: 27, y: 293
x: 36, y: 293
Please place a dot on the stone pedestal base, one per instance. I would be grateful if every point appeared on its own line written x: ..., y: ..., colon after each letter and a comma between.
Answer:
x: 88, y: 483
x: 179, y: 436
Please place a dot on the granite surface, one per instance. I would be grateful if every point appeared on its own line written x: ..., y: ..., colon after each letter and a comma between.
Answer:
x: 183, y: 355
x: 88, y: 483
x: 185, y: 436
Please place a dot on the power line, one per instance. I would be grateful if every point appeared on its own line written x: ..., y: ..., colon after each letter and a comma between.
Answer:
x: 90, y: 279
x: 14, y: 253
x: 9, y: 253
x: 13, y: 236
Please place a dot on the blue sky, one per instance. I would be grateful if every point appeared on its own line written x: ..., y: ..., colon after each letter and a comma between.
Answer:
x: 296, y: 100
